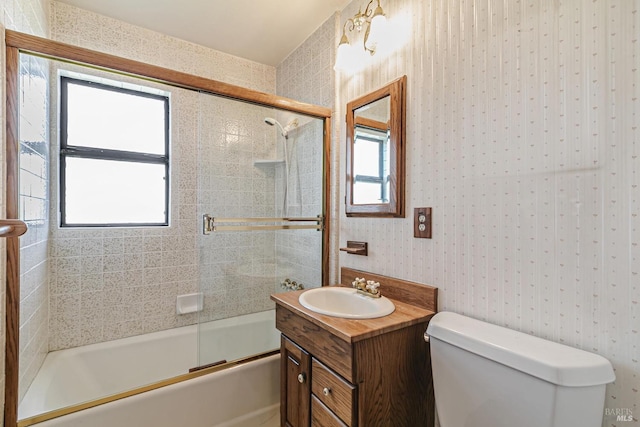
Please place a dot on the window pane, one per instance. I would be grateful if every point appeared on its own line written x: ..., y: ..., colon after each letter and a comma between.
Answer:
x: 101, y: 118
x: 113, y: 192
x: 367, y: 154
x: 366, y: 193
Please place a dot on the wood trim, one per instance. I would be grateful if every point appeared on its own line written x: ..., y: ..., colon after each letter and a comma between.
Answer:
x: 326, y: 243
x: 53, y: 49
x: 12, y: 302
x: 413, y: 293
x: 396, y: 90
x: 370, y: 123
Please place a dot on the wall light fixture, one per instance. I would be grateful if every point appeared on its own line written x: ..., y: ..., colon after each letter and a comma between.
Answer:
x: 373, y: 22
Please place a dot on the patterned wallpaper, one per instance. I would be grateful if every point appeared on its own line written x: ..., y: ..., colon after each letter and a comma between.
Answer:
x: 522, y: 134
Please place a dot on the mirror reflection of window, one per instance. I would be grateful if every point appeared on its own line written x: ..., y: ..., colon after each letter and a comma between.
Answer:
x: 371, y: 165
x: 375, y: 164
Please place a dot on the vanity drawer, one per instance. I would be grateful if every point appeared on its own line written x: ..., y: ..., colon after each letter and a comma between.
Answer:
x: 321, y: 416
x: 321, y: 343
x: 337, y: 394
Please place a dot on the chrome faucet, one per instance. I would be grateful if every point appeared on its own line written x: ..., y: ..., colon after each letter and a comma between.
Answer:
x: 367, y: 287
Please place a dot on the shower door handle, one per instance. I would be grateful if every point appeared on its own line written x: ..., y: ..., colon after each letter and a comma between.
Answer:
x: 211, y: 223
x: 207, y: 224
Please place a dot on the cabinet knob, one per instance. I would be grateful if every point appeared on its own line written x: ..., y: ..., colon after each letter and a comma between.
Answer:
x: 301, y: 378
x: 326, y: 391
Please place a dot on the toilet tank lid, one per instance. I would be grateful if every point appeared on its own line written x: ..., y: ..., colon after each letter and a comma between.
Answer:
x: 556, y: 363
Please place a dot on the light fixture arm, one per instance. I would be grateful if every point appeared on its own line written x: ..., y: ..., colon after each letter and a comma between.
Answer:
x: 357, y: 22
x: 362, y: 19
x: 351, y: 27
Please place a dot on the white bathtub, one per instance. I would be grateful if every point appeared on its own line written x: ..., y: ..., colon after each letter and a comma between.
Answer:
x: 73, y: 376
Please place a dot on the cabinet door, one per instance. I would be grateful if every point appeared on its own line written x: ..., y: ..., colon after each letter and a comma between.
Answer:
x: 295, y: 385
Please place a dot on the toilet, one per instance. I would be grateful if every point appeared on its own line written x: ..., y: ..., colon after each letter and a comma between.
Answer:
x: 489, y: 376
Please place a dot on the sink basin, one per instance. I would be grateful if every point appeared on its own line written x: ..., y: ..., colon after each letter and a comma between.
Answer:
x: 345, y: 302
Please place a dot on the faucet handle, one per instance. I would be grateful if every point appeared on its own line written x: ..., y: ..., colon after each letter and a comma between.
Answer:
x: 359, y: 283
x: 373, y: 286
x: 366, y: 287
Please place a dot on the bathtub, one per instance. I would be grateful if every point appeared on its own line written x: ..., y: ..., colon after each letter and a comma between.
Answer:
x: 69, y: 377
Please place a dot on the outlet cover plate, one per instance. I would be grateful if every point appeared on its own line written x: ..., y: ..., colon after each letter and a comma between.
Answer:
x: 422, y: 223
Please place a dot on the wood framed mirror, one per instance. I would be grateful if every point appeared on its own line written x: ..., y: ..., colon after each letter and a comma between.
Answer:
x: 376, y: 152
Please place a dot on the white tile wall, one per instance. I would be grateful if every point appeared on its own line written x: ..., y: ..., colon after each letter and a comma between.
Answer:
x: 34, y: 210
x: 79, y: 27
x: 28, y: 16
x: 114, y: 283
x: 522, y: 134
x: 307, y: 75
x: 236, y: 268
x: 299, y: 252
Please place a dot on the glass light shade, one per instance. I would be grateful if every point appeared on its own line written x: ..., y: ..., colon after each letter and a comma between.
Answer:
x: 343, y: 57
x: 376, y: 31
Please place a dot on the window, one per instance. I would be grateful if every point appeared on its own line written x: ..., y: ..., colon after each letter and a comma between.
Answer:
x: 114, y: 156
x: 371, y: 172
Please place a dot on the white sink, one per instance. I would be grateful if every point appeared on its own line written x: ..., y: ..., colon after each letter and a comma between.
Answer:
x: 345, y: 302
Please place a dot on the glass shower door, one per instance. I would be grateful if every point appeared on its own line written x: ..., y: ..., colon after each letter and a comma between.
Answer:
x: 260, y: 205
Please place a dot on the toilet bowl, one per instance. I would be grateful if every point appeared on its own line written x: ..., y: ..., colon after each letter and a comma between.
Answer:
x: 485, y: 375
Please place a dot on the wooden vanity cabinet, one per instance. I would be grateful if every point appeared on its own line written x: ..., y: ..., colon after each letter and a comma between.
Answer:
x: 380, y: 380
x: 358, y: 373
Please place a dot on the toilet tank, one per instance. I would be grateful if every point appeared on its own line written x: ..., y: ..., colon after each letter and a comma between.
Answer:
x: 485, y: 375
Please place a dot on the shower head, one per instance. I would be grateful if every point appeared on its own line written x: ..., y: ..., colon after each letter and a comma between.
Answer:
x: 272, y: 122
x: 293, y: 123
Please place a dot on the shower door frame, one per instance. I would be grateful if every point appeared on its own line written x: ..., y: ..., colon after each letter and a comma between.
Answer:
x: 16, y: 43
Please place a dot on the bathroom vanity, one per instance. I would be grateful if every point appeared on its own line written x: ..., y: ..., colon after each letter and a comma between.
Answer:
x: 368, y: 372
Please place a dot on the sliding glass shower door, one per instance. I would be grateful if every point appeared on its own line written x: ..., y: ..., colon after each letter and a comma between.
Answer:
x: 260, y: 209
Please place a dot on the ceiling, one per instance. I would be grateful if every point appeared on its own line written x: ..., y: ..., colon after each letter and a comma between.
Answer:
x: 264, y: 31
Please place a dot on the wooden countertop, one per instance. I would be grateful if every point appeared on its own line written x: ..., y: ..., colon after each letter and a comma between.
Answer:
x: 352, y: 330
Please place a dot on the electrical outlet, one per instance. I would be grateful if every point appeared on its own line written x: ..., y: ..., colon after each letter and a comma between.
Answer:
x: 422, y: 223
